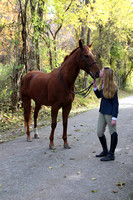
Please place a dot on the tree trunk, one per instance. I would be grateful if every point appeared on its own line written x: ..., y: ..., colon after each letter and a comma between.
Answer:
x: 32, y: 59
x: 24, y: 34
x: 88, y: 36
x: 35, y: 43
x: 100, y: 51
x: 15, y: 84
x: 37, y: 55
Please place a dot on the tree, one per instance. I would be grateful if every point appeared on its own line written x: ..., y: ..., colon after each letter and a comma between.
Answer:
x: 37, y: 34
x: 58, y: 13
x: 114, y: 31
x: 23, y: 15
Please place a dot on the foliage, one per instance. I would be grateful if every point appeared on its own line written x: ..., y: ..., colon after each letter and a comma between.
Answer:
x: 4, y: 89
x: 39, y: 34
x: 12, y: 124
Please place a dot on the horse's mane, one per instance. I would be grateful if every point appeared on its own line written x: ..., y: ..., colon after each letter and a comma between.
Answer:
x: 73, y: 51
x: 69, y: 54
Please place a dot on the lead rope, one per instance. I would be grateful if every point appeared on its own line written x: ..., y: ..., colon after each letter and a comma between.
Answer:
x: 83, y: 93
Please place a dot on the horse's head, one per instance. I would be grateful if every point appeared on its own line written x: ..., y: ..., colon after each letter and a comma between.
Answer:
x: 87, y: 62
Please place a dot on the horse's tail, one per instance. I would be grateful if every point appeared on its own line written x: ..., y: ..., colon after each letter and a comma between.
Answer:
x: 26, y: 100
x: 27, y: 111
x: 24, y: 85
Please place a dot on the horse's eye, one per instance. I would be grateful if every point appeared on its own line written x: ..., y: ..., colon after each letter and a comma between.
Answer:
x: 86, y: 56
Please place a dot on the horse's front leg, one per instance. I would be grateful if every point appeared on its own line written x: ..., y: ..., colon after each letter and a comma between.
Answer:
x: 65, y: 113
x: 54, y: 113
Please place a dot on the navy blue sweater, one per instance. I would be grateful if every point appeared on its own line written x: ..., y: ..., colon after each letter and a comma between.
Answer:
x: 108, y: 106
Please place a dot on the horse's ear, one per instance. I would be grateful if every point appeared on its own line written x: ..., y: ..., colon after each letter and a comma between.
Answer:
x: 90, y: 45
x: 81, y: 43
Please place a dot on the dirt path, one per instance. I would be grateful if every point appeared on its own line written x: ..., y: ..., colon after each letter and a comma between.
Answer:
x: 30, y: 171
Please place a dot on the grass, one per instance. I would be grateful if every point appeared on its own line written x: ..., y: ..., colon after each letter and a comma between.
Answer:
x: 12, y: 125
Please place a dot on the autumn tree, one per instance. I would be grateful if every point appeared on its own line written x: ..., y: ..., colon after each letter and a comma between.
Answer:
x: 37, y: 34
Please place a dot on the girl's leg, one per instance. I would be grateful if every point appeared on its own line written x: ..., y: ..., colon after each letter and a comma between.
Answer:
x: 108, y: 119
x: 101, y: 125
x: 100, y: 132
x: 114, y: 139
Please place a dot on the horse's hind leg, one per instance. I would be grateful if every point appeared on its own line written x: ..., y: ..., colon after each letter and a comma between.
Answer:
x: 27, y: 111
x: 37, y: 108
x: 65, y: 113
x: 54, y: 113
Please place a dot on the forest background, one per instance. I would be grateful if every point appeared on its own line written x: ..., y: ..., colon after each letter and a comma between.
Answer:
x: 38, y: 34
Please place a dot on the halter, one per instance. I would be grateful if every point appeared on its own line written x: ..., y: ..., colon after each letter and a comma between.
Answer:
x: 87, y: 90
x: 88, y: 66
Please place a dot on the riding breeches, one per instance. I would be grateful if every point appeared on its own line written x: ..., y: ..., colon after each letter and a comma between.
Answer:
x: 103, y: 121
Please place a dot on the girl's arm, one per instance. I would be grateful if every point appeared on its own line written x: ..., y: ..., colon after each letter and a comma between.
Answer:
x: 96, y: 91
x: 115, y: 109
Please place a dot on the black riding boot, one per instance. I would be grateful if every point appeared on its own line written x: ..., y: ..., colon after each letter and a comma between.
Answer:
x: 104, y: 146
x: 110, y: 155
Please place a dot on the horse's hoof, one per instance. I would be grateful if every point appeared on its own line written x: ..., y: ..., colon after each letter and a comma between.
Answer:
x: 52, y: 147
x: 36, y: 136
x: 66, y: 146
x: 29, y: 140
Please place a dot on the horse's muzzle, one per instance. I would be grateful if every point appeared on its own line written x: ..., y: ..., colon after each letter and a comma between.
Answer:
x: 97, y: 74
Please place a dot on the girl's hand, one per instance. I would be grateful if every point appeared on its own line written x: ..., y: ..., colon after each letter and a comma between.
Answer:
x: 113, y: 122
x: 94, y: 83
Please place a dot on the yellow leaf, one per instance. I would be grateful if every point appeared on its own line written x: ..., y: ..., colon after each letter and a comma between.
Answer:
x: 120, y: 184
x: 94, y: 191
x: 94, y: 179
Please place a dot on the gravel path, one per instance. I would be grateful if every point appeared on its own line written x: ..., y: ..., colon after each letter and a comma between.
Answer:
x: 30, y: 171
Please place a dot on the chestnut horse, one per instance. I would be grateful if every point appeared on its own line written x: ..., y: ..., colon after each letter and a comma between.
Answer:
x: 56, y: 89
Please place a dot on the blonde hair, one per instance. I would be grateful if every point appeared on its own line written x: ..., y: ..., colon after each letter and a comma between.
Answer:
x: 110, y: 86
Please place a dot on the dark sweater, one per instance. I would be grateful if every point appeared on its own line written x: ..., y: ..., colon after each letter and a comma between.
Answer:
x: 108, y: 106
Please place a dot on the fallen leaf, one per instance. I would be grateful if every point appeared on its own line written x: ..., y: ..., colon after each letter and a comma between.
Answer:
x: 0, y: 185
x: 72, y: 158
x: 94, y: 191
x: 94, y: 179
x: 114, y: 191
x: 76, y: 130
x: 120, y: 184
x: 50, y: 167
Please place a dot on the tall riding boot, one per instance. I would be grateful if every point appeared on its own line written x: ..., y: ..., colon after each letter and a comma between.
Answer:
x: 114, y: 141
x: 104, y: 146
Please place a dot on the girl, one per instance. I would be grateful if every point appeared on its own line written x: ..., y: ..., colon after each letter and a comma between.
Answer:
x: 108, y: 112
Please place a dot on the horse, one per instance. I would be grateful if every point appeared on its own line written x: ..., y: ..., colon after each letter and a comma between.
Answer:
x: 56, y: 89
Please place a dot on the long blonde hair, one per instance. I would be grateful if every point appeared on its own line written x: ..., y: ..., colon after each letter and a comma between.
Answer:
x: 110, y: 86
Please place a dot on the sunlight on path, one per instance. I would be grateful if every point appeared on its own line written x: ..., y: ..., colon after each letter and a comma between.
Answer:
x: 126, y: 102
